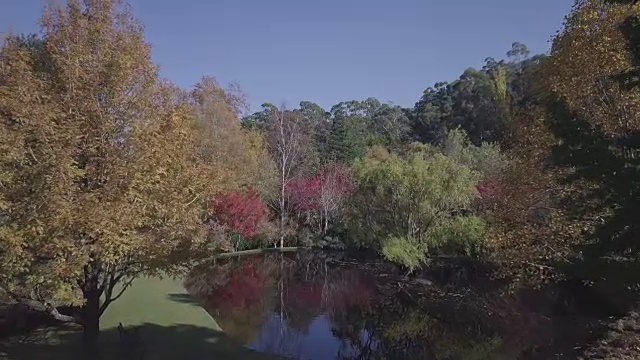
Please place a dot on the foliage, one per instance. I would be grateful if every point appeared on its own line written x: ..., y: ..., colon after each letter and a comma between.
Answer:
x: 236, y: 158
x: 321, y: 198
x: 487, y: 159
x: 406, y: 197
x: 570, y: 190
x: 481, y: 102
x: 406, y: 251
x: 239, y: 212
x: 463, y: 235
x: 359, y: 124
x: 590, y: 204
x: 288, y: 139
x: 100, y: 173
x: 597, y: 36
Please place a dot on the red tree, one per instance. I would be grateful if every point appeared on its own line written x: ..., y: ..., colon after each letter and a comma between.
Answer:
x: 322, y: 196
x: 240, y: 212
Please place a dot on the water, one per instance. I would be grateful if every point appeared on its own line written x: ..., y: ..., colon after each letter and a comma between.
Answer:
x: 329, y: 306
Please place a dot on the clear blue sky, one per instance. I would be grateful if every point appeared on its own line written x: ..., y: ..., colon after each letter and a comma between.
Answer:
x: 328, y: 51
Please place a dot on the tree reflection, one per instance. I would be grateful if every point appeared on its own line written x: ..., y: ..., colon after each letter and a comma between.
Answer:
x: 301, y: 304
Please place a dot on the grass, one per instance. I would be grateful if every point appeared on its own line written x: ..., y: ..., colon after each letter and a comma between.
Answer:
x: 171, y: 326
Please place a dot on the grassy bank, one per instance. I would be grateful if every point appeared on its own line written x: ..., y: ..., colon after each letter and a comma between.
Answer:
x: 171, y: 326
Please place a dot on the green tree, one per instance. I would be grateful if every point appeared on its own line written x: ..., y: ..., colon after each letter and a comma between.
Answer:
x: 407, y: 202
x: 486, y: 159
x: 259, y: 120
x: 430, y: 115
x: 355, y: 125
x: 348, y: 139
x: 319, y: 120
x: 481, y: 102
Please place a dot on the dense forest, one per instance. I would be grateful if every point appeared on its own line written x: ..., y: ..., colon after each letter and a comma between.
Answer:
x: 107, y: 171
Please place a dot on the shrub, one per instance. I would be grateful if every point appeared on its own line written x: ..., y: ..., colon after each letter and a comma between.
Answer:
x: 463, y: 235
x: 405, y: 251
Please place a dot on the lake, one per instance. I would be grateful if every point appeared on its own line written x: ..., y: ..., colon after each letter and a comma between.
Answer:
x: 310, y: 305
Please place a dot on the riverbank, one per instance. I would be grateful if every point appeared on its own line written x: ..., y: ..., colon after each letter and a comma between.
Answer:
x: 259, y: 251
x: 621, y: 341
x: 170, y: 325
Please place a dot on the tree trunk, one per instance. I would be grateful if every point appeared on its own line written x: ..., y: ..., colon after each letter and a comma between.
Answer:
x: 282, y: 205
x: 326, y: 225
x: 91, y: 317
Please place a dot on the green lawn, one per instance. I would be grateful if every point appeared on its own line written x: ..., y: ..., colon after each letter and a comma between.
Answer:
x: 171, y: 326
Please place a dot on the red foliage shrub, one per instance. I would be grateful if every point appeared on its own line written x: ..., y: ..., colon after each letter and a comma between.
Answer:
x: 323, y: 192
x: 241, y: 212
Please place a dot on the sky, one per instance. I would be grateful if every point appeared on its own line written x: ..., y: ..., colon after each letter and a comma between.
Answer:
x: 327, y: 51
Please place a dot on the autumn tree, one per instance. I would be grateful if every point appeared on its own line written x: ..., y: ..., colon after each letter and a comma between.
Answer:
x: 99, y: 177
x: 592, y: 77
x: 237, y: 157
x: 241, y: 213
x: 322, y: 197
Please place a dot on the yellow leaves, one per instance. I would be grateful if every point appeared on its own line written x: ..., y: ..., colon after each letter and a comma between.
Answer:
x: 100, y: 157
x: 589, y: 61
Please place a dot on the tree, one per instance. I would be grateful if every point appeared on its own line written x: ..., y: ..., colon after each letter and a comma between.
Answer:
x: 391, y: 125
x: 481, y: 102
x: 350, y: 131
x: 260, y: 120
x: 430, y: 114
x: 90, y: 194
x: 593, y: 107
x: 321, y: 198
x: 413, y: 203
x: 319, y: 121
x: 239, y: 212
x: 518, y: 53
x: 486, y: 159
x: 237, y: 158
x: 288, y: 141
x: 589, y: 61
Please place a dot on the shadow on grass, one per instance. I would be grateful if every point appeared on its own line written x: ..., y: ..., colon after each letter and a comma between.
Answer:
x: 180, y: 341
x: 183, y: 299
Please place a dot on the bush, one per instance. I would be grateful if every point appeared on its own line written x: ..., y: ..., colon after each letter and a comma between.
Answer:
x: 405, y: 251
x: 406, y: 196
x: 486, y: 159
x: 464, y: 235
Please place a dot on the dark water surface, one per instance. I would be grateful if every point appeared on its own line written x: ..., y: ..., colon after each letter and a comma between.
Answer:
x: 329, y: 306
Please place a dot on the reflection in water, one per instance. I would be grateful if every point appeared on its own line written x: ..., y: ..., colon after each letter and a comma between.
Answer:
x: 326, y: 306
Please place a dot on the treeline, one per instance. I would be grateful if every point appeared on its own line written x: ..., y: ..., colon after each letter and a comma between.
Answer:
x: 108, y: 171
x: 407, y: 182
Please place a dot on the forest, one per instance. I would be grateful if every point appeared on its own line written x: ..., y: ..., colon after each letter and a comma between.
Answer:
x: 529, y: 164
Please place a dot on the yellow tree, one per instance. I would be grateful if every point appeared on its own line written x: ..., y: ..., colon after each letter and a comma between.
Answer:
x: 594, y: 73
x: 576, y: 148
x: 589, y: 61
x: 99, y: 174
x: 237, y: 157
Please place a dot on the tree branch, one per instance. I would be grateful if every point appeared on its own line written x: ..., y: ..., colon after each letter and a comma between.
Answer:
x: 109, y: 300
x: 36, y: 305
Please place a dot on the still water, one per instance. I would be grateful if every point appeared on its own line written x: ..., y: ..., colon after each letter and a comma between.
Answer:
x: 330, y: 306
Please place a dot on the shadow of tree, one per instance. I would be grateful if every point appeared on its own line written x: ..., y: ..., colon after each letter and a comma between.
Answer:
x: 607, y: 170
x: 183, y: 298
x: 180, y: 341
